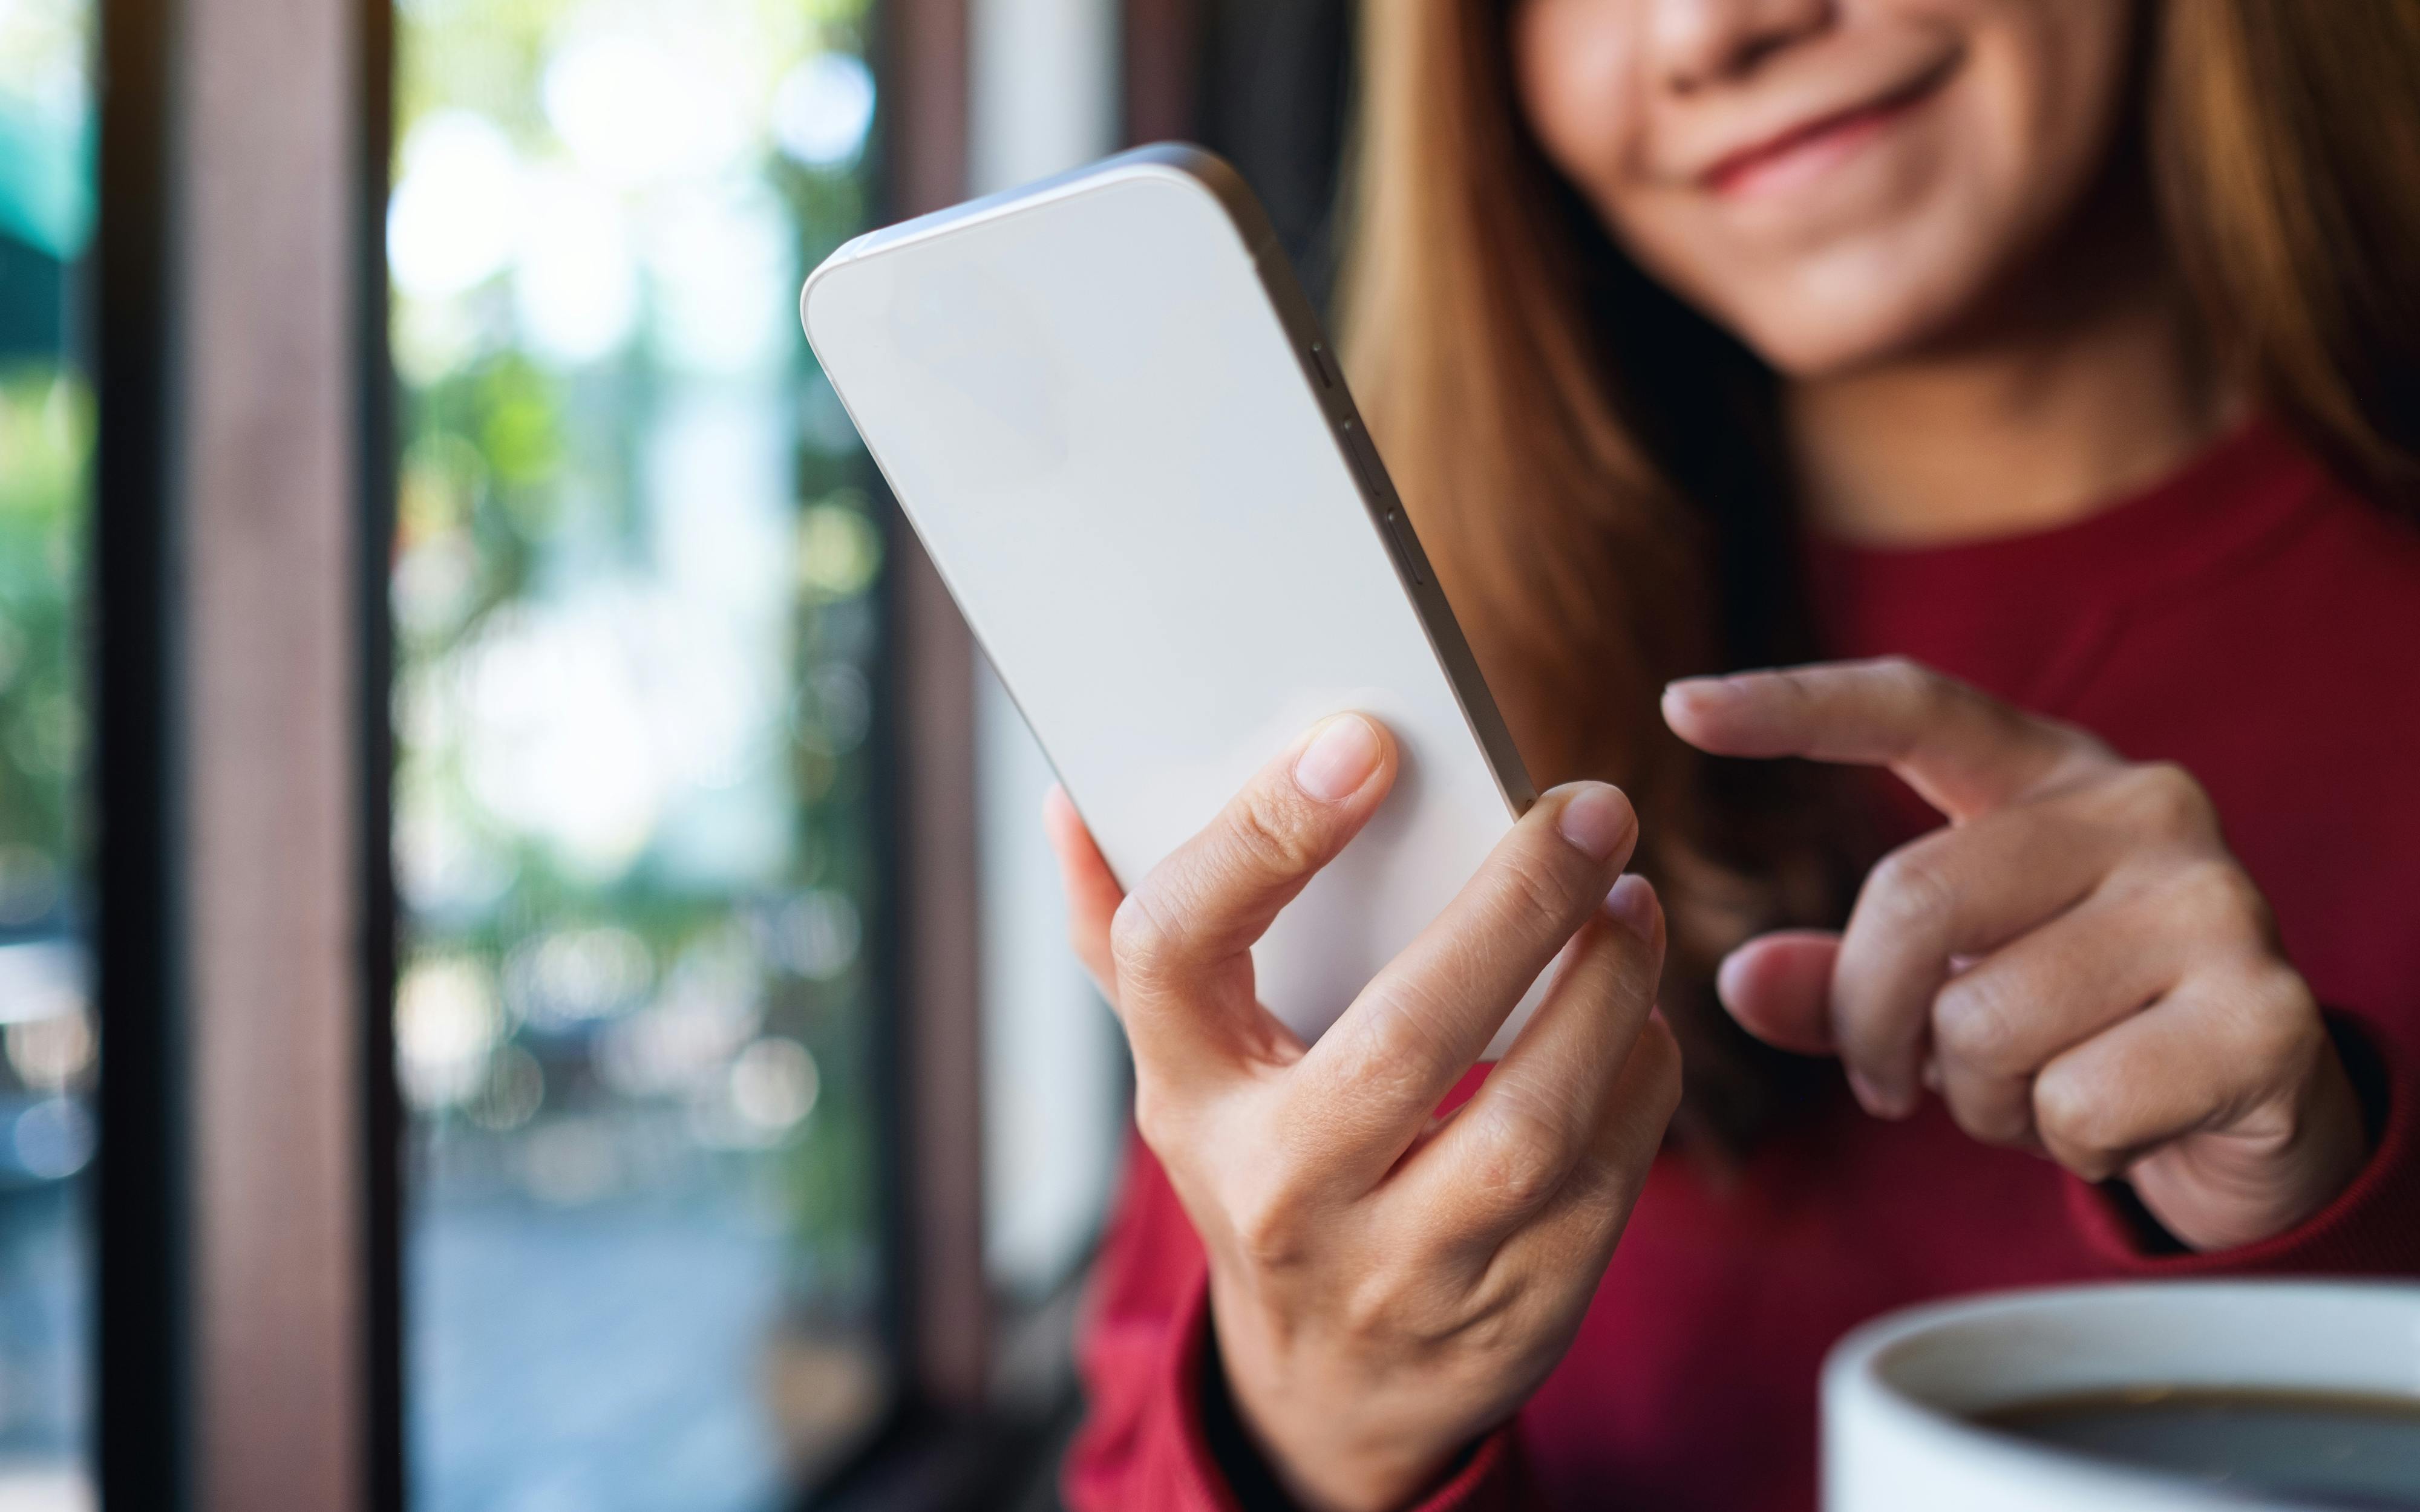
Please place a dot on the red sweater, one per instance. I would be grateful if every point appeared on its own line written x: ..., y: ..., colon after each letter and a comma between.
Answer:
x: 2250, y: 618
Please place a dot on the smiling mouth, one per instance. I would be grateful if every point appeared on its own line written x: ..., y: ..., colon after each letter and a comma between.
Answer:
x: 1803, y: 150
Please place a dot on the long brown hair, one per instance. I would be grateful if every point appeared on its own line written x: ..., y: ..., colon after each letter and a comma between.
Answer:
x: 1604, y: 526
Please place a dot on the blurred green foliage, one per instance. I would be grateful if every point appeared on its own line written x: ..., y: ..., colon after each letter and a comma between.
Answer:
x: 520, y: 472
x: 46, y: 436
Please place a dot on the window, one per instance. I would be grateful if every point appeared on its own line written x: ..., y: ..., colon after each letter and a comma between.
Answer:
x: 46, y: 1023
x: 636, y: 641
x: 752, y: 1113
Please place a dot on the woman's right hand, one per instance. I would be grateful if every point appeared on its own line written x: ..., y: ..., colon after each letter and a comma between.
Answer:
x: 1388, y: 1286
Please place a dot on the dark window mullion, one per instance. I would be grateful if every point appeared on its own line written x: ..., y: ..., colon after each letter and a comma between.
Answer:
x: 141, y: 1356
x: 384, y: 1460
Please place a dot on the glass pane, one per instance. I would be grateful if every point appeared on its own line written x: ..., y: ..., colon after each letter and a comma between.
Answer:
x: 635, y: 655
x: 46, y: 1025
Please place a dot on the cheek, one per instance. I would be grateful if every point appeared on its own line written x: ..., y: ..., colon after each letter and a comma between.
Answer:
x: 2059, y: 93
x: 1575, y: 63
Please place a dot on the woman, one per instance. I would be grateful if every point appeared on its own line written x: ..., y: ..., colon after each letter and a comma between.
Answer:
x: 2066, y: 354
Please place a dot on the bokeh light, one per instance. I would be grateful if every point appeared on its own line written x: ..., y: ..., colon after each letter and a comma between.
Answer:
x: 454, y: 218
x: 824, y: 108
x: 446, y: 1020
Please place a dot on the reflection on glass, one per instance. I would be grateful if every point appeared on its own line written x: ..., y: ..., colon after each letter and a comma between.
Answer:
x: 632, y: 596
x: 48, y: 1048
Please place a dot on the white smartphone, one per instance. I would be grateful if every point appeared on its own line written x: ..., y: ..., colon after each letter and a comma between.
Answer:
x: 1109, y: 412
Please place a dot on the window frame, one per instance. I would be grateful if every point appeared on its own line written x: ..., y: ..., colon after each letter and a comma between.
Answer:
x: 246, y: 1327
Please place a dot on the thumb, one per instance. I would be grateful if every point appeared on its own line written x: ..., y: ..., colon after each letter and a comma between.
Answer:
x: 1779, y: 988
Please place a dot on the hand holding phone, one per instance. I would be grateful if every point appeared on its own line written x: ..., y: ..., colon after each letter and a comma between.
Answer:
x: 1114, y: 423
x: 1385, y: 1288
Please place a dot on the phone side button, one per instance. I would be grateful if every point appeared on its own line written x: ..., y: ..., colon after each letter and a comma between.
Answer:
x: 1323, y: 364
x: 1409, y: 545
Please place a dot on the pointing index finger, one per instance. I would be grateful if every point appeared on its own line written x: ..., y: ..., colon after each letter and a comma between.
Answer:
x: 1963, y: 751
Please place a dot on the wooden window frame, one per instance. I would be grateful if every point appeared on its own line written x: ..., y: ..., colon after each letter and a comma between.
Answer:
x: 942, y: 1309
x: 247, y: 1343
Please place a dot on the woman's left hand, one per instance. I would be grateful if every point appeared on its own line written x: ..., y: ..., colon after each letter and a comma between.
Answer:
x: 2076, y: 963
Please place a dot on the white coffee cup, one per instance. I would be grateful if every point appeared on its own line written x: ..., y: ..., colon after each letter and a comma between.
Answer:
x: 1899, y: 1393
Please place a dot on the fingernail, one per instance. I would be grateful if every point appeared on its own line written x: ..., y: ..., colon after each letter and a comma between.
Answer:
x: 1702, y: 687
x: 1596, y: 819
x: 1730, y: 980
x: 1632, y: 904
x: 1874, y: 1100
x: 1339, y: 759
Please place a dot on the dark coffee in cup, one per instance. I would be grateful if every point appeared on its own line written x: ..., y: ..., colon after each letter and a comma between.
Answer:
x: 2269, y: 1394
x: 2309, y: 1449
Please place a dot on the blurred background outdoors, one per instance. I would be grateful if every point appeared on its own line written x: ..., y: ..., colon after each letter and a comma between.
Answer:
x: 665, y: 1174
x: 633, y: 835
x: 47, y: 1027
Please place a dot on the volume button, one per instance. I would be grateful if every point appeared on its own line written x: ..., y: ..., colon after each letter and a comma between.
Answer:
x: 1408, y: 544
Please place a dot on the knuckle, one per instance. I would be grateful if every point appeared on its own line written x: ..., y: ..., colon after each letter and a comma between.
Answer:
x: 1924, y: 689
x: 1497, y: 1322
x: 1269, y: 1213
x: 1274, y: 835
x: 1631, y: 1130
x: 1520, y: 1156
x: 1384, y: 1050
x: 2279, y: 1024
x: 1909, y: 673
x: 2216, y: 896
x: 2287, y: 998
x: 1974, y: 1022
x: 1142, y: 936
x: 2166, y: 801
x: 1532, y: 888
x: 1910, y: 887
x: 1383, y: 1303
x: 2081, y: 1121
x: 1368, y: 1308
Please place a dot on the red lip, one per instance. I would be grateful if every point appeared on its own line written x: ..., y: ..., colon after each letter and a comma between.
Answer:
x: 1734, y: 168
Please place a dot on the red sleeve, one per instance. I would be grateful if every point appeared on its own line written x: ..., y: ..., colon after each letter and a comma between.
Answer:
x: 1144, y: 1447
x: 2373, y: 1228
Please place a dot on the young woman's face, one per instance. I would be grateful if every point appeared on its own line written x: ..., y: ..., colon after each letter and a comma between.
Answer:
x: 1834, y: 180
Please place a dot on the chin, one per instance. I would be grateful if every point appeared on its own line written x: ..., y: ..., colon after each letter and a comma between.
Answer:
x: 1841, y: 342
x: 1829, y: 321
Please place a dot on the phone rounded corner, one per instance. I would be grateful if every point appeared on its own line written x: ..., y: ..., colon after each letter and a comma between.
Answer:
x: 820, y: 279
x: 1207, y: 172
x: 1193, y: 160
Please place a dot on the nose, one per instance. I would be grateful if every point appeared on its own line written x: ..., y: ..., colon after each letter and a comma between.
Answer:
x: 1698, y: 42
